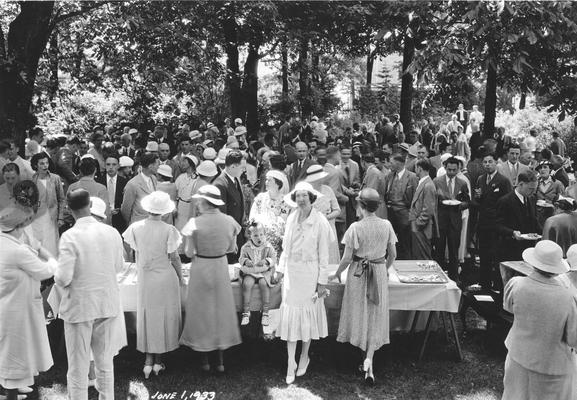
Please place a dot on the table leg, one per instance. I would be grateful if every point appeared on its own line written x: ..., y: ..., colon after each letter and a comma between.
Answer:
x: 427, y: 333
x: 456, y: 335
x: 443, y: 318
x: 414, y: 323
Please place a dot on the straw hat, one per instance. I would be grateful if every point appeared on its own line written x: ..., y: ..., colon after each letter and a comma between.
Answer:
x: 151, y: 146
x: 12, y: 217
x: 306, y: 186
x: 546, y: 256
x: 572, y: 257
x: 404, y: 147
x: 209, y: 153
x: 281, y: 176
x: 413, y: 151
x: 222, y: 153
x: 207, y: 168
x: 195, y: 134
x: 157, y: 203
x: 315, y: 173
x: 125, y: 162
x: 239, y: 131
x: 98, y: 207
x: 238, y: 121
x: 211, y: 194
x: 164, y: 170
x: 192, y: 158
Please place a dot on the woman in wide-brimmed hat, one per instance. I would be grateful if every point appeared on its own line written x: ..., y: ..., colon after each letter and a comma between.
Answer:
x: 303, y: 263
x: 210, y: 321
x: 370, y: 251
x: 327, y: 204
x: 186, y: 185
x: 24, y: 347
x: 158, y: 308
x: 541, y: 363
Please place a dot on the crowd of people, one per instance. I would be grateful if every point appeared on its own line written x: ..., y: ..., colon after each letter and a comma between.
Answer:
x: 284, y: 206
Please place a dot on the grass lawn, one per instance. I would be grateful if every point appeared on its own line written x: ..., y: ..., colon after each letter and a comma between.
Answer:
x: 257, y: 368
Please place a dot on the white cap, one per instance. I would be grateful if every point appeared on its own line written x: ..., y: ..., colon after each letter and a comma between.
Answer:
x: 164, y: 170
x: 238, y: 121
x: 152, y: 146
x: 98, y: 207
x: 132, y: 131
x: 209, y: 153
x: 125, y: 161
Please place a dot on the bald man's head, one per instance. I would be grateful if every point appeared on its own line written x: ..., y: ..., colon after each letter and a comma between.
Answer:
x: 302, y: 150
x: 163, y: 151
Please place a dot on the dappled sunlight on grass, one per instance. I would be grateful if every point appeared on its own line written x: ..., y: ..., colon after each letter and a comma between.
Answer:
x: 479, y: 395
x: 54, y: 392
x: 292, y: 392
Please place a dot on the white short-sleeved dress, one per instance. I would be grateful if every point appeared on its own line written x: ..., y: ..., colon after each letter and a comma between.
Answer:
x: 158, y: 307
x: 361, y: 320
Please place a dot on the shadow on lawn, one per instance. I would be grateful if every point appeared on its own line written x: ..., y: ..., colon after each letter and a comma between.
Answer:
x: 257, y: 368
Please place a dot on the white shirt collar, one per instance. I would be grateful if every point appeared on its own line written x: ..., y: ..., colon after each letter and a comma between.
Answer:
x: 401, y: 173
x: 520, y: 196
x: 232, y: 178
x: 108, y: 177
x: 423, y: 179
x: 511, y: 166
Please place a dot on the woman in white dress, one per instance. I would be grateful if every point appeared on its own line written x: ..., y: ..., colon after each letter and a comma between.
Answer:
x: 370, y: 251
x: 24, y: 347
x: 328, y: 205
x: 50, y: 214
x: 158, y: 307
x: 270, y: 209
x: 303, y: 264
x: 185, y: 187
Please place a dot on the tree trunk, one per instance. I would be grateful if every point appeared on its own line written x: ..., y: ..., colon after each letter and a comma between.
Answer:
x: 28, y: 35
x: 284, y: 68
x: 370, y: 64
x: 490, y: 100
x: 53, y: 62
x: 523, y: 100
x: 304, y: 77
x: 233, y: 81
x: 407, y: 82
x: 250, y: 91
x: 78, y: 55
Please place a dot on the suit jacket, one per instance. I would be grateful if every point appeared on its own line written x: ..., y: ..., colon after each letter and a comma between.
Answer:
x: 95, y: 189
x: 423, y: 212
x: 130, y: 152
x: 511, y: 216
x: 409, y: 182
x: 117, y: 220
x: 134, y: 191
x: 487, y: 203
x: 295, y: 174
x: 375, y: 179
x: 504, y: 170
x: 233, y: 199
x: 561, y: 176
x: 450, y: 216
x: 464, y: 120
x: 354, y: 173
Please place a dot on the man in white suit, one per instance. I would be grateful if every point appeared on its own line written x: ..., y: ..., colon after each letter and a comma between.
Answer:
x: 512, y: 167
x: 90, y: 255
x: 423, y: 213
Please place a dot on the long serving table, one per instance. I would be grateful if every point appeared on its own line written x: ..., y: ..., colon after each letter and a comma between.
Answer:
x: 411, y: 304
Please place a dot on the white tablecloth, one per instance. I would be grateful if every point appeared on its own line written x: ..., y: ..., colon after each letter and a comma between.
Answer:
x: 402, y: 297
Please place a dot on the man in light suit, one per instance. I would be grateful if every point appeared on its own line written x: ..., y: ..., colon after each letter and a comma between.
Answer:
x: 352, y: 183
x: 90, y: 256
x: 137, y: 188
x: 297, y: 171
x: 490, y: 187
x: 423, y: 213
x: 374, y: 179
x: 336, y: 180
x: 400, y: 188
x: 115, y: 185
x: 231, y: 193
x: 512, y: 167
x: 450, y: 187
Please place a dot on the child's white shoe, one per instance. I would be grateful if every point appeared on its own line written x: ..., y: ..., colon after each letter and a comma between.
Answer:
x: 245, y: 319
x: 265, y: 319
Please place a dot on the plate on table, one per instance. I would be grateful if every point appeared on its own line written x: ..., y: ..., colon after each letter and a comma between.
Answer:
x: 543, y: 203
x: 451, y: 202
x: 530, y: 236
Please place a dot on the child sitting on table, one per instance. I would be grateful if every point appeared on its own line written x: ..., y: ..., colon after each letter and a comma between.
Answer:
x: 257, y: 261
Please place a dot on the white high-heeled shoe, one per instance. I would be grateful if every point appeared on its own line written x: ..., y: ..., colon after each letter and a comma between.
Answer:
x: 368, y: 368
x: 290, y: 375
x: 303, y: 369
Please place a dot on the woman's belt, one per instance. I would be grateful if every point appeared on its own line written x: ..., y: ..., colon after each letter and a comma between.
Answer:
x: 184, y: 201
x: 210, y: 257
x: 363, y: 266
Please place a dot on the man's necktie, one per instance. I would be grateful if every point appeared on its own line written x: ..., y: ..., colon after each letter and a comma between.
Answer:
x: 451, y: 188
x: 111, y: 193
x: 237, y: 184
x: 347, y: 176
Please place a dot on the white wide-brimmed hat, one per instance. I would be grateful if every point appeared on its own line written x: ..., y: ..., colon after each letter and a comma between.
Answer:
x: 151, y: 146
x: 315, y: 173
x: 164, y: 170
x: 281, y: 176
x: 192, y: 158
x: 157, y: 203
x: 98, y: 207
x: 238, y: 121
x: 125, y: 161
x: 300, y: 186
x: 222, y: 153
x: 546, y: 256
x: 211, y: 194
x: 239, y: 131
x: 572, y: 257
x: 207, y: 168
x: 209, y: 153
x: 195, y: 134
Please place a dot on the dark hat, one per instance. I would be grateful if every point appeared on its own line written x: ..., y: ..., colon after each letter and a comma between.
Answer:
x: 543, y: 164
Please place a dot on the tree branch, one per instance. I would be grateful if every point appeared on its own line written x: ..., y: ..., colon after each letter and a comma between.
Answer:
x: 272, y: 49
x: 60, y: 18
x: 2, y: 44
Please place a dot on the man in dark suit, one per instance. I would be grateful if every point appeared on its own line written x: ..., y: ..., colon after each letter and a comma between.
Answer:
x: 462, y: 116
x: 297, y: 171
x: 423, y: 213
x: 517, y: 215
x: 228, y: 182
x: 490, y: 187
x: 450, y: 187
x: 400, y: 187
x: 115, y: 185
